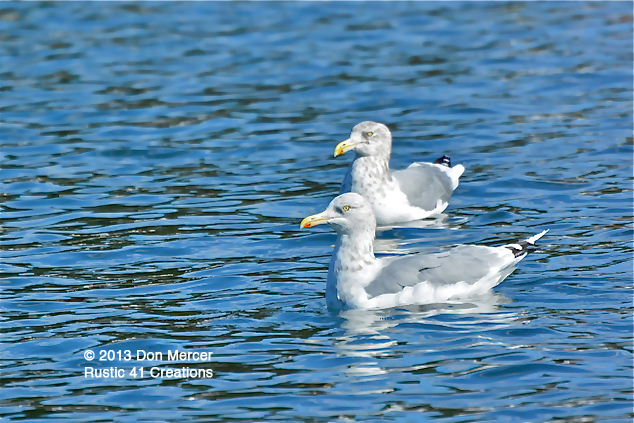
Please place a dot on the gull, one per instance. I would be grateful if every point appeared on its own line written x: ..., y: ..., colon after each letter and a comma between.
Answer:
x: 419, y: 191
x: 359, y: 280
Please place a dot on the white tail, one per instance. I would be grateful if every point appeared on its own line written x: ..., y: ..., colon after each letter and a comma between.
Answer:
x: 534, y: 238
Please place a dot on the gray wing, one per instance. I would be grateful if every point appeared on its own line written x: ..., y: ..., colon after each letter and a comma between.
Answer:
x: 425, y: 183
x: 346, y: 184
x: 465, y: 263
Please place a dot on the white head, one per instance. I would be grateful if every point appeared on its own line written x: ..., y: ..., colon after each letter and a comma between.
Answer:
x: 367, y: 139
x: 346, y: 214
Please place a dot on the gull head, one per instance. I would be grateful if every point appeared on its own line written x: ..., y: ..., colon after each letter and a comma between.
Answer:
x: 367, y: 139
x: 346, y: 214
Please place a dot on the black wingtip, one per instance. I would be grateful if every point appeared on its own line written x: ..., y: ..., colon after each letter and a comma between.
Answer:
x: 444, y: 160
x: 520, y: 248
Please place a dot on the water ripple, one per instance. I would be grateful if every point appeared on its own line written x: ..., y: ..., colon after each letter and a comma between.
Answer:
x: 158, y: 157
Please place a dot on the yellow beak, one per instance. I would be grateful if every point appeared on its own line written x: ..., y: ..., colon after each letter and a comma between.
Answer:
x: 344, y: 146
x: 314, y: 220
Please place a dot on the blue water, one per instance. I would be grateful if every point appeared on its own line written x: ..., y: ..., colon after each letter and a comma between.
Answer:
x: 157, y: 158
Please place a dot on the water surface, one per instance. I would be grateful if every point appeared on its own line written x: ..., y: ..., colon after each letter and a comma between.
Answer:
x: 156, y: 159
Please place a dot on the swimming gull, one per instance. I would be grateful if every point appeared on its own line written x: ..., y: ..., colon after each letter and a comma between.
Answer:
x: 419, y: 191
x: 357, y: 279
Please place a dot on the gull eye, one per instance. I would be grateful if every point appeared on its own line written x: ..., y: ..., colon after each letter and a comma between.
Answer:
x: 345, y: 208
x: 369, y: 134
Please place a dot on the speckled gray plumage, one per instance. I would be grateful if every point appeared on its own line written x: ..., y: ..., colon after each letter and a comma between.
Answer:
x: 369, y: 177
